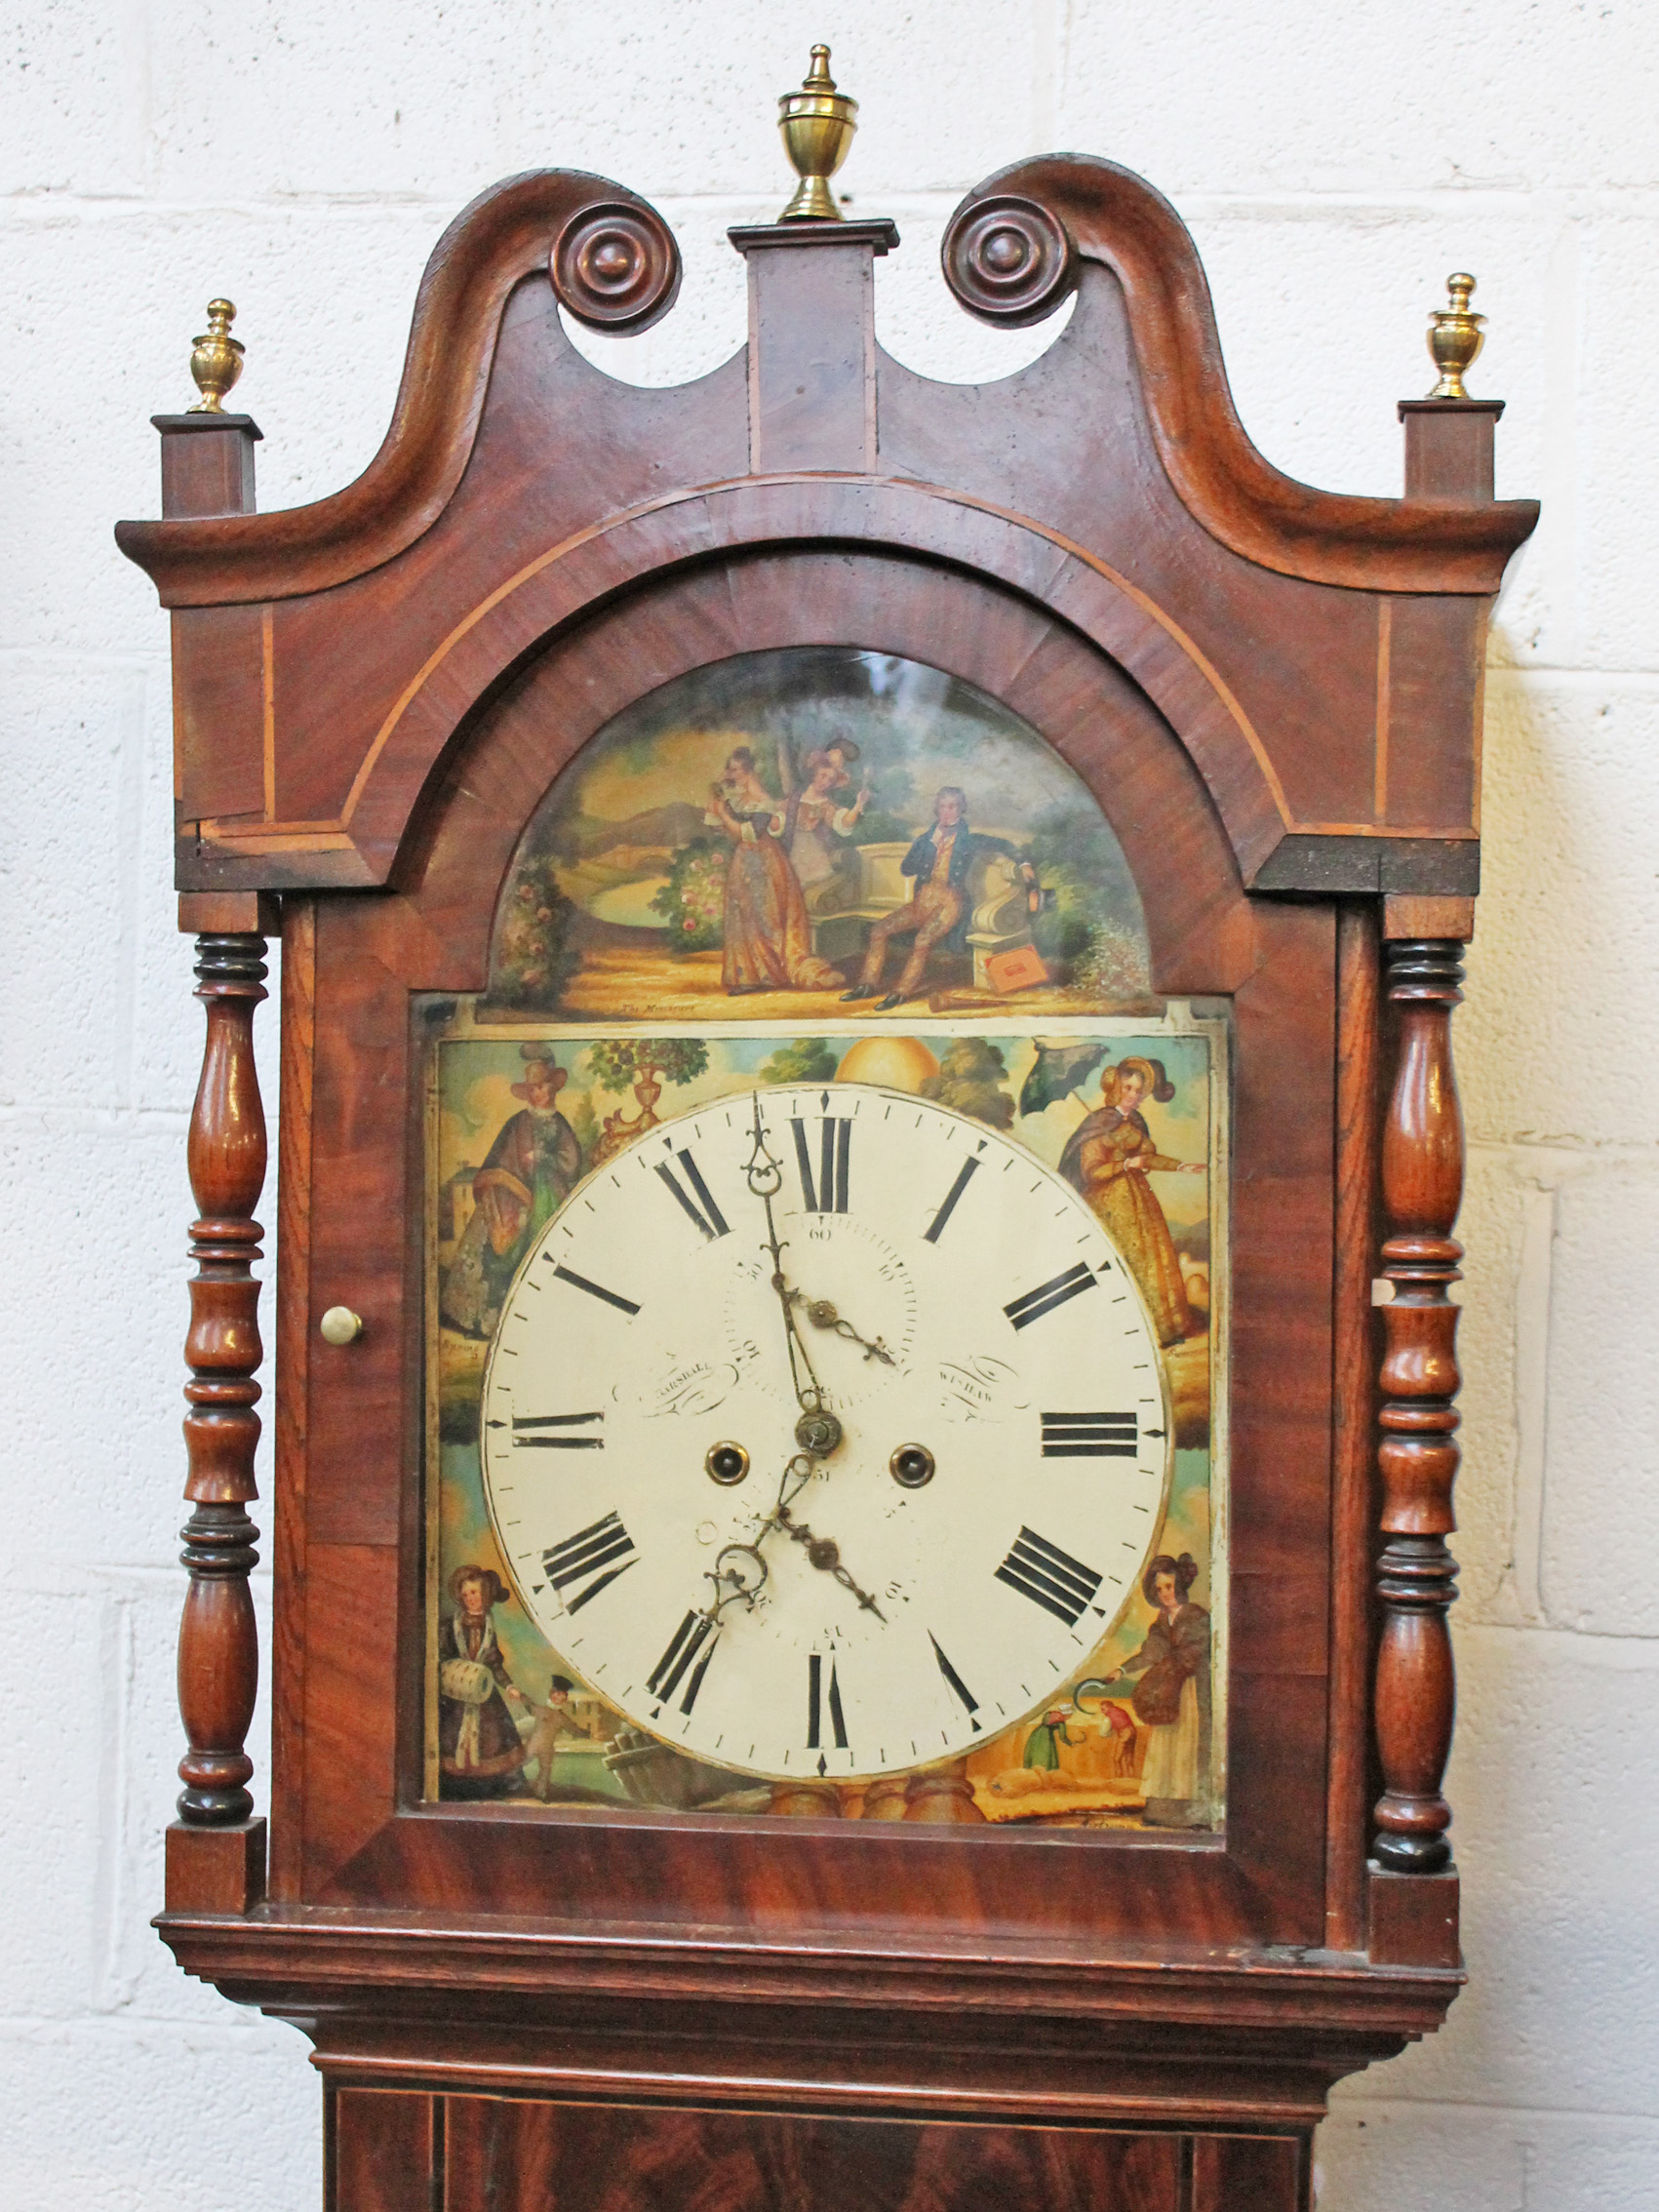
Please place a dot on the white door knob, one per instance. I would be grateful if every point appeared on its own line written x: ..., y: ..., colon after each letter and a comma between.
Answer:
x: 341, y: 1325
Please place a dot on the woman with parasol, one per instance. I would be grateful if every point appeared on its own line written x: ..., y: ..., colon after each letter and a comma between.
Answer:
x: 1108, y: 1158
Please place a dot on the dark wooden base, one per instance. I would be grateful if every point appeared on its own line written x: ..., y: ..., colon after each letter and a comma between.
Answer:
x: 403, y: 2151
x: 216, y: 1870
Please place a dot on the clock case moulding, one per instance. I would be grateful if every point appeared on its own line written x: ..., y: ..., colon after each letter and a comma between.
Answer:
x: 1275, y: 695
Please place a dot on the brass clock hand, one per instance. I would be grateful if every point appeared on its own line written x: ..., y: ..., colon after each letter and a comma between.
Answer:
x: 817, y: 1432
x: 825, y: 1554
x: 822, y: 1551
x: 823, y: 1315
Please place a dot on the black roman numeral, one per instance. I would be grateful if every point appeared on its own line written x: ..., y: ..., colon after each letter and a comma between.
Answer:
x: 710, y: 1220
x: 1022, y: 1312
x: 963, y: 1176
x: 970, y: 1704
x: 1090, y: 1436
x: 816, y: 1702
x: 590, y: 1558
x: 593, y: 1289
x: 694, y: 1633
x: 523, y: 1423
x: 834, y: 1147
x: 1048, y: 1578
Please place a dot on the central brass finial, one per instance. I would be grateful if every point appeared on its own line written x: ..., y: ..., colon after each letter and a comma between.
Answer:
x: 1456, y: 337
x: 817, y: 123
x: 215, y: 359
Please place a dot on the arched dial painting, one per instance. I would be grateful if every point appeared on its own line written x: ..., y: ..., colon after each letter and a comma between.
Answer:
x: 826, y: 1284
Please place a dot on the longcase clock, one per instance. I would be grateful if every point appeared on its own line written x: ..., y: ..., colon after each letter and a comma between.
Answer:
x: 860, y: 1562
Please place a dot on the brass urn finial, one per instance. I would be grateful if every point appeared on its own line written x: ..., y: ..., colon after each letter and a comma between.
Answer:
x: 215, y: 359
x: 1456, y: 337
x: 817, y: 123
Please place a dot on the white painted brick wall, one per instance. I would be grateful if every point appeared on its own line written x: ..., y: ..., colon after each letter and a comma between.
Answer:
x: 1335, y: 160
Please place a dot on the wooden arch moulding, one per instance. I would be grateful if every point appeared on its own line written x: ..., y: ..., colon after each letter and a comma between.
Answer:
x: 1271, y: 694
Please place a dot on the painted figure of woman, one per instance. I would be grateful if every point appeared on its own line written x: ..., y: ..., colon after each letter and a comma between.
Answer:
x: 1171, y: 1696
x: 1109, y: 1157
x: 816, y: 818
x: 479, y: 1748
x: 769, y: 941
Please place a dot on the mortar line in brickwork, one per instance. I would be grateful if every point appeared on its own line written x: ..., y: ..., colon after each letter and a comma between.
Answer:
x: 1578, y: 2113
x: 1624, y: 1654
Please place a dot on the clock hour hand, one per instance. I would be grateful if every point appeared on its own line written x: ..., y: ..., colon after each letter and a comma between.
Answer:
x: 823, y: 1315
x: 825, y: 1554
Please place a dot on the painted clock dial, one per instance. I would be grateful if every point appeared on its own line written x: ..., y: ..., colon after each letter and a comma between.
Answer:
x: 824, y: 1431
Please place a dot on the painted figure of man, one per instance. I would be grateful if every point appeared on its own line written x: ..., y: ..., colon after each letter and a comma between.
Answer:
x: 939, y: 863
x: 531, y: 1171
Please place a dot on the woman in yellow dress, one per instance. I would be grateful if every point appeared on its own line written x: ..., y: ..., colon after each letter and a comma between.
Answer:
x: 1110, y: 1155
x: 767, y: 937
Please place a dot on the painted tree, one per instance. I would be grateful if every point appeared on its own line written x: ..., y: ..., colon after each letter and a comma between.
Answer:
x: 808, y: 1060
x: 971, y: 1079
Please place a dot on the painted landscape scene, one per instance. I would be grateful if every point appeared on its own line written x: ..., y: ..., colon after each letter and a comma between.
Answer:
x: 823, y: 830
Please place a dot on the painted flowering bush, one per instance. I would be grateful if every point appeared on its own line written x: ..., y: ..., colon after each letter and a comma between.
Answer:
x: 534, y: 957
x: 693, y: 898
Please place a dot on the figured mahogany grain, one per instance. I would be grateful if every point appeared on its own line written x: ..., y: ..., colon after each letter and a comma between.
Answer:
x: 521, y: 464
x: 559, y: 2157
x: 384, y: 2152
x: 1243, y: 2173
x: 1266, y: 1881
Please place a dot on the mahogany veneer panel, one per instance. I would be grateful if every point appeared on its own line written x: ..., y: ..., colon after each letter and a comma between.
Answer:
x: 614, y: 2159
x: 381, y: 2150
x: 1242, y: 2173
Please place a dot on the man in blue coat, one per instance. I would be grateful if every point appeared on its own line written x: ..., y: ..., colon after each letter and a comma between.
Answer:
x: 940, y: 862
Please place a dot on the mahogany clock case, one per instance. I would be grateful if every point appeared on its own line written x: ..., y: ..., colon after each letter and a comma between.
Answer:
x: 353, y: 1746
x: 1272, y: 694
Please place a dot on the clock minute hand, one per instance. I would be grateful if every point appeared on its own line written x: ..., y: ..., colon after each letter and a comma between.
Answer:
x: 817, y: 1432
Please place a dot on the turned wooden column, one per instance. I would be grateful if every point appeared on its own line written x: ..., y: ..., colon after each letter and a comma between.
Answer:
x: 218, y: 1654
x: 1422, y: 1188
